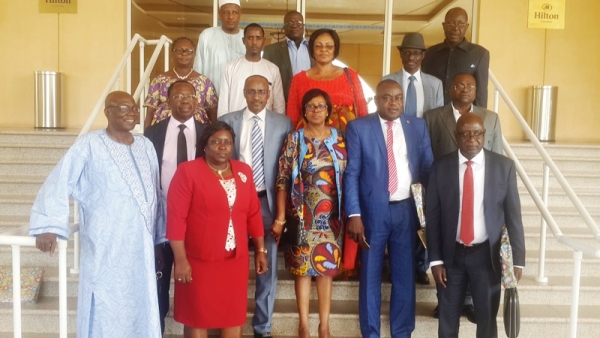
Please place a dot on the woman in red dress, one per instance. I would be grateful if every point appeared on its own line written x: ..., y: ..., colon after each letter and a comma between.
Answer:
x: 212, y: 207
x: 342, y: 84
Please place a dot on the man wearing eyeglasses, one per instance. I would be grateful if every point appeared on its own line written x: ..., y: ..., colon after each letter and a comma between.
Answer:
x: 290, y: 55
x: 113, y: 174
x: 261, y: 133
x: 441, y: 122
x: 236, y: 72
x: 457, y: 55
x: 471, y: 194
x: 219, y: 45
x: 174, y: 140
x: 422, y: 91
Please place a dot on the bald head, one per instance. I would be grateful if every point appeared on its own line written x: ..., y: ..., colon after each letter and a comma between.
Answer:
x: 470, y: 134
x: 455, y: 26
x: 121, y: 111
x: 116, y: 96
x: 456, y: 11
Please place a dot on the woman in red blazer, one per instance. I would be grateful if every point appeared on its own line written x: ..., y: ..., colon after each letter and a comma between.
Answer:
x: 212, y: 207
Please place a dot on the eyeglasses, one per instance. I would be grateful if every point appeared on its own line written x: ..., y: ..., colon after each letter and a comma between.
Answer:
x: 390, y: 98
x: 466, y: 135
x: 461, y: 87
x: 124, y: 109
x: 180, y: 97
x: 408, y: 54
x: 218, y: 142
x: 327, y: 47
x: 313, y: 107
x: 452, y: 25
x: 296, y: 23
x: 252, y: 92
x: 181, y: 51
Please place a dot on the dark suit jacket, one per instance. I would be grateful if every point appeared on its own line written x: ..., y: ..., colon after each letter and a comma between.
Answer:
x: 442, y: 125
x: 278, y: 54
x: 444, y: 63
x: 366, y: 176
x: 501, y: 206
x: 157, y: 133
x: 277, y: 127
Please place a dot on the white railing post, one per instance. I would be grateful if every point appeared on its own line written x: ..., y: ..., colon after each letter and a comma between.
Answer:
x: 496, y: 101
x: 541, y: 278
x: 142, y: 45
x: 387, y: 36
x: 76, y: 245
x: 16, y: 276
x: 62, y: 287
x: 577, y: 257
x: 167, y: 50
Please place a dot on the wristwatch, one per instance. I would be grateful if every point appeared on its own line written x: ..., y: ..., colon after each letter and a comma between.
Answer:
x: 263, y: 250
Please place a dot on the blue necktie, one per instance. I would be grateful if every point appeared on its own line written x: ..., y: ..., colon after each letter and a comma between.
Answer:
x: 410, y: 108
x: 257, y: 154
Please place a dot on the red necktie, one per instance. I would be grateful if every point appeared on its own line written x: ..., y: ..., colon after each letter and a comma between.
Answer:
x: 393, y: 173
x: 466, y: 220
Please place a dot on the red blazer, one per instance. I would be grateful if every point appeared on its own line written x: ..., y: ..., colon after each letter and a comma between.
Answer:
x: 198, y: 211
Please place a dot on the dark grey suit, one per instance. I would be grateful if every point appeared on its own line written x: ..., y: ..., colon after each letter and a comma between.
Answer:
x: 279, y: 54
x: 433, y: 93
x: 441, y: 125
x: 480, y: 265
x: 277, y: 127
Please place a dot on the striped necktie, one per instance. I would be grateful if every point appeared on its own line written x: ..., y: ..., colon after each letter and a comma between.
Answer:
x: 411, y: 98
x: 257, y: 154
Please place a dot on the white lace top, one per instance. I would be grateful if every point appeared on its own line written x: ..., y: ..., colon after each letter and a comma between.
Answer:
x: 229, y: 186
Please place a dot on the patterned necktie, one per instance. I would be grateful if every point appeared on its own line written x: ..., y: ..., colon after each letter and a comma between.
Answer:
x: 393, y: 173
x: 257, y: 154
x: 466, y: 218
x: 411, y: 98
x: 181, y: 146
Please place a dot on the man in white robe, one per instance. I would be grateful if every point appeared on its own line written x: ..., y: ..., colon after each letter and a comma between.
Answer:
x: 219, y: 45
x: 114, y: 177
x: 231, y: 97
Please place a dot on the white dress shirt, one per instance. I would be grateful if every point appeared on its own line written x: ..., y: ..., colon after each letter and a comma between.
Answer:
x: 401, y: 158
x: 169, y: 158
x: 246, y: 137
x: 418, y: 87
x: 457, y: 113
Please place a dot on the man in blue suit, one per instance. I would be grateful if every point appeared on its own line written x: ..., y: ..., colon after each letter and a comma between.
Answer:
x: 273, y: 129
x: 387, y: 152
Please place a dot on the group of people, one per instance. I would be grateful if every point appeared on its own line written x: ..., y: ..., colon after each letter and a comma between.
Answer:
x: 235, y: 141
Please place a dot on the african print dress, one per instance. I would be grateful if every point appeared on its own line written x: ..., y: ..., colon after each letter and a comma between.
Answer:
x: 322, y: 167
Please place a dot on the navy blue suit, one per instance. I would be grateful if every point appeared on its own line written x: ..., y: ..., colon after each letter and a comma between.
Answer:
x: 386, y: 224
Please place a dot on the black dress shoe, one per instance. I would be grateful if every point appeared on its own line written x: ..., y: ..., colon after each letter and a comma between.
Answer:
x: 262, y: 335
x: 469, y: 312
x: 422, y: 278
x: 436, y: 312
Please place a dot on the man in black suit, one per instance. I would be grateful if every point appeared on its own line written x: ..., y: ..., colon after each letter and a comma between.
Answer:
x: 174, y: 140
x: 290, y: 55
x: 457, y: 55
x: 471, y: 194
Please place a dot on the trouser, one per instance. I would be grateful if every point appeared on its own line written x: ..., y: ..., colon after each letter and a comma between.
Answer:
x: 163, y: 279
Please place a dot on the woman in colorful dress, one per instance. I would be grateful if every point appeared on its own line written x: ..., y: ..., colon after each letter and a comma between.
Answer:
x: 342, y: 84
x: 182, y: 58
x: 310, y: 179
x: 212, y: 209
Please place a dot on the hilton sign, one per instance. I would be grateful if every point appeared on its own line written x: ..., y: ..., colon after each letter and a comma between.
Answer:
x: 546, y: 14
x: 57, y: 6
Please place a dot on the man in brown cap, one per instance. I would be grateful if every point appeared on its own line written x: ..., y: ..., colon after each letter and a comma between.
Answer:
x: 423, y: 91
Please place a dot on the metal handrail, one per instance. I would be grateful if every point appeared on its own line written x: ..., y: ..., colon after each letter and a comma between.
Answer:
x: 547, y: 219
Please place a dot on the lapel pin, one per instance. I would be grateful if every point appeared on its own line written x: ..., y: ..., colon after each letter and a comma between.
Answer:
x: 242, y: 177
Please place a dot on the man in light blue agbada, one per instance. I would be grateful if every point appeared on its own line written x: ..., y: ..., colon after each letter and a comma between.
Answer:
x: 113, y: 175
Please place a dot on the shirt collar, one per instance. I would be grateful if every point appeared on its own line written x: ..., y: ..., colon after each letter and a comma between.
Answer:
x: 174, y: 124
x: 477, y: 159
x: 384, y: 122
x: 406, y: 75
x: 248, y: 115
x: 292, y: 43
x: 464, y: 44
x: 457, y: 113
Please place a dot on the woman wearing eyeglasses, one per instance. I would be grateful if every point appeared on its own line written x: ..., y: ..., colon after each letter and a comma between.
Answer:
x: 311, y: 166
x: 342, y: 84
x: 182, y: 58
x: 212, y: 209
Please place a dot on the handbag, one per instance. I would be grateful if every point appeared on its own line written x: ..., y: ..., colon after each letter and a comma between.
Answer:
x: 512, y: 313
x: 294, y: 232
